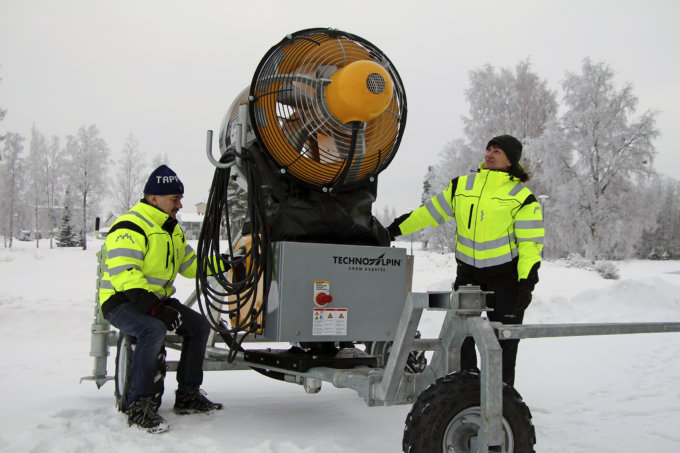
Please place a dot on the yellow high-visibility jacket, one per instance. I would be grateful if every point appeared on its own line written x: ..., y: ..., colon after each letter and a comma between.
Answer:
x: 498, y: 220
x: 145, y: 249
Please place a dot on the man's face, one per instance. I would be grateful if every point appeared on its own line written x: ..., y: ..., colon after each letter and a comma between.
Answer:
x: 495, y: 159
x: 169, y: 204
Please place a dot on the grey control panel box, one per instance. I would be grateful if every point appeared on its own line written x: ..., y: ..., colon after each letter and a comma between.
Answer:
x: 332, y: 292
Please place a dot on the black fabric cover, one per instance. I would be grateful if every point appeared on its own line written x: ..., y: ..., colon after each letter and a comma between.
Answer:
x: 306, y: 214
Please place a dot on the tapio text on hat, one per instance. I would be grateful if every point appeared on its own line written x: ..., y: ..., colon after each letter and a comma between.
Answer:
x: 167, y: 179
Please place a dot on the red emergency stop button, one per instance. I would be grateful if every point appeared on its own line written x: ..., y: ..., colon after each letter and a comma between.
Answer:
x: 323, y: 298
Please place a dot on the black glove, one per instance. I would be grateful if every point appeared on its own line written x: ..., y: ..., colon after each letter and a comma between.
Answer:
x: 523, y: 297
x: 393, y: 229
x: 170, y: 317
x: 236, y: 264
x: 141, y: 299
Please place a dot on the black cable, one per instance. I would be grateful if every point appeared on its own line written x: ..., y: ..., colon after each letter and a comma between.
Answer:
x: 232, y: 297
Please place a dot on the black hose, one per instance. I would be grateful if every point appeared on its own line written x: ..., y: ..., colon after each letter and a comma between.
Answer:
x: 217, y: 292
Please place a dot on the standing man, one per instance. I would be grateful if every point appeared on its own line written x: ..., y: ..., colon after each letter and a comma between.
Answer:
x: 145, y: 251
x: 499, y: 238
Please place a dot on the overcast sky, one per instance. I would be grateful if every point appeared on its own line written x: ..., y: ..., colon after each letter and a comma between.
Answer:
x: 166, y: 71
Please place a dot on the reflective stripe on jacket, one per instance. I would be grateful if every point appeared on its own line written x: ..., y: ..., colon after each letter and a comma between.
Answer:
x: 498, y: 219
x: 145, y: 249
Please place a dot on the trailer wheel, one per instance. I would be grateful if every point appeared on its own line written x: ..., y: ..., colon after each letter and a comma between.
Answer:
x: 125, y: 349
x: 446, y: 418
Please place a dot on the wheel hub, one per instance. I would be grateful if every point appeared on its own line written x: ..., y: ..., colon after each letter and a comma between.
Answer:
x: 461, y: 433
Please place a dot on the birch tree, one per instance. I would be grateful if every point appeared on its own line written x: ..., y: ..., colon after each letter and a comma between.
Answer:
x: 158, y: 160
x: 54, y: 170
x: 88, y: 157
x: 2, y: 117
x: 131, y: 176
x: 12, y: 171
x: 515, y: 102
x: 555, y: 186
x: 37, y: 173
x: 610, y: 156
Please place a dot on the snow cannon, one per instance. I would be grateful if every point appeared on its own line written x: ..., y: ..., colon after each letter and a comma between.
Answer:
x: 323, y: 116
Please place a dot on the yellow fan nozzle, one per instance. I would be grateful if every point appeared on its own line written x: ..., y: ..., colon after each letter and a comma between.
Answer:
x: 360, y: 91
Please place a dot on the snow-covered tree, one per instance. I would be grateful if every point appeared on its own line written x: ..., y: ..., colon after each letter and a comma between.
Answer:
x: 610, y: 156
x: 37, y: 173
x: 2, y: 117
x: 88, y: 157
x: 131, y: 176
x: 506, y: 102
x: 54, y: 177
x: 68, y: 235
x: 663, y: 242
x: 386, y: 215
x: 555, y: 185
x: 237, y: 203
x: 158, y: 160
x: 11, y: 181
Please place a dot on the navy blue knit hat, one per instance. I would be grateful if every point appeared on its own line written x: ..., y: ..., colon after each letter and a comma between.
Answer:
x: 163, y: 181
x: 510, y: 146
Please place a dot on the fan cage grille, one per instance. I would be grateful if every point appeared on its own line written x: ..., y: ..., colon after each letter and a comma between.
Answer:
x: 292, y: 121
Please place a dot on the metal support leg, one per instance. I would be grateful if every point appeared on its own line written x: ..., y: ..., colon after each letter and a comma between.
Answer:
x: 463, y: 319
x: 99, y: 349
x: 408, y: 325
x: 491, y: 431
x: 446, y: 358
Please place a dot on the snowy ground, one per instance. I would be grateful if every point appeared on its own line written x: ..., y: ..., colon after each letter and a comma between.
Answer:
x: 587, y: 394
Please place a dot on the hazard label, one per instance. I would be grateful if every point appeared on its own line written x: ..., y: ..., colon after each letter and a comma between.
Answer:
x: 329, y: 321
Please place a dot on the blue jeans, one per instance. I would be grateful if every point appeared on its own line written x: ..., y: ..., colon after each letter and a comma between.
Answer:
x: 150, y: 334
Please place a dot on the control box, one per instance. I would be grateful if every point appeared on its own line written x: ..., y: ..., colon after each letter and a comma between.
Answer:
x: 334, y: 292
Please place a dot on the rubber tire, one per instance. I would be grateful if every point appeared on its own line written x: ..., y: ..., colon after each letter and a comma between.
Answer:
x: 124, y: 351
x: 448, y: 399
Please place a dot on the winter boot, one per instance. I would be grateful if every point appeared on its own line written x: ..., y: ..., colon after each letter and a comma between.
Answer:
x: 143, y: 413
x: 193, y: 402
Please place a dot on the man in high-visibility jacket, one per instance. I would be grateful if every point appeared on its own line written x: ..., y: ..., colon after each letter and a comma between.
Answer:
x: 499, y: 238
x: 145, y: 250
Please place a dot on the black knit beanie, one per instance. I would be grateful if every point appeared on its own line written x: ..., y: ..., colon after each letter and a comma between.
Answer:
x: 163, y: 181
x: 510, y: 146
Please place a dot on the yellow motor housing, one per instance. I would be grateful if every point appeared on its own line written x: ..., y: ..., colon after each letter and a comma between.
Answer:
x: 360, y: 91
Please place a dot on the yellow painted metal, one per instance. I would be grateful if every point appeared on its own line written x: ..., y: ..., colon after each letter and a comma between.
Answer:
x: 361, y: 91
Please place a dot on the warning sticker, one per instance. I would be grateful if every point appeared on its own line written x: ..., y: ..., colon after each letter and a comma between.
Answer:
x: 329, y: 321
x: 322, y: 293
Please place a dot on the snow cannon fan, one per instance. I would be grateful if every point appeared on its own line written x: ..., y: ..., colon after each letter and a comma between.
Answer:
x: 328, y: 108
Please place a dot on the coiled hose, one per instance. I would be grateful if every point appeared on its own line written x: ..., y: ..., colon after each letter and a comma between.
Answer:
x: 226, y: 299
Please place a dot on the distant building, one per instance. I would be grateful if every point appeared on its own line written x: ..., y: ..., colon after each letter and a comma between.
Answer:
x: 191, y: 224
x: 200, y: 208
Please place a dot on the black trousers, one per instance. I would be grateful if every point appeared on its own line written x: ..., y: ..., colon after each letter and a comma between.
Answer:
x: 502, y: 301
